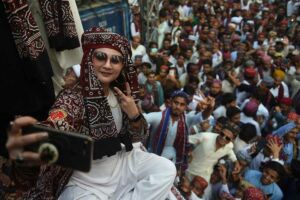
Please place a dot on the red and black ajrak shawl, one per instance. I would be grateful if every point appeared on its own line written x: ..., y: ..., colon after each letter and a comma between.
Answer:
x: 85, y: 109
x: 59, y: 25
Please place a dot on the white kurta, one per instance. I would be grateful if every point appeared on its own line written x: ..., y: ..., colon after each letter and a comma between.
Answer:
x: 275, y: 91
x: 205, y: 155
x: 154, y: 120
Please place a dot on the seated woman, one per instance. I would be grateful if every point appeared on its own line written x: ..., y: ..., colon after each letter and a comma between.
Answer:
x: 102, y: 106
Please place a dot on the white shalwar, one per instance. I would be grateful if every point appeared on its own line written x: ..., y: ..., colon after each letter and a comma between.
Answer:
x: 129, y: 175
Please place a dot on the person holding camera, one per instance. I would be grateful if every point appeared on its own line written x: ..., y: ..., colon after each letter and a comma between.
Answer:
x: 101, y: 105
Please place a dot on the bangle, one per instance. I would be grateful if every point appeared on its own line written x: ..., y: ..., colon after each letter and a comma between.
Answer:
x: 137, y: 118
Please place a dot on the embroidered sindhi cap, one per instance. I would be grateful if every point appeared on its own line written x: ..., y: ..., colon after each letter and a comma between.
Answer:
x: 98, y: 37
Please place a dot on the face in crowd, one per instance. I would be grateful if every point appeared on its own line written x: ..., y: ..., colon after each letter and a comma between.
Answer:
x: 178, y: 105
x: 225, y: 137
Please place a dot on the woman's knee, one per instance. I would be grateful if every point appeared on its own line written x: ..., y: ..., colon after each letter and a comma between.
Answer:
x: 167, y: 167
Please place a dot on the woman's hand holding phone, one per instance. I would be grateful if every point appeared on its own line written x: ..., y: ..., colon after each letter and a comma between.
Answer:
x: 17, y: 141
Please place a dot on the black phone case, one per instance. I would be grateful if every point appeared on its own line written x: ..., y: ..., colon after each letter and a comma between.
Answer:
x: 75, y: 150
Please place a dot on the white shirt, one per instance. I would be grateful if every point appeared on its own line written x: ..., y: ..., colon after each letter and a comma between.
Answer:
x: 180, y: 70
x: 257, y: 46
x: 292, y: 8
x: 142, y: 78
x: 146, y: 58
x: 205, y: 155
x: 187, y: 11
x: 219, y: 112
x: 239, y: 144
x: 259, y: 158
x: 172, y: 60
x: 227, y: 86
x: 162, y: 29
x: 194, y: 197
x: 246, y: 6
x: 195, y: 57
x: 133, y: 30
x: 154, y: 119
x: 275, y: 91
x: 140, y: 50
x: 217, y: 58
x: 175, y: 33
x: 242, y: 95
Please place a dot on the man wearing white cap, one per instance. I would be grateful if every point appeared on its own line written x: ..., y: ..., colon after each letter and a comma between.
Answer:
x: 71, y: 76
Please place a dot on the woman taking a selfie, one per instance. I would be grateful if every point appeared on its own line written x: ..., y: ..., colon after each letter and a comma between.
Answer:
x: 102, y: 106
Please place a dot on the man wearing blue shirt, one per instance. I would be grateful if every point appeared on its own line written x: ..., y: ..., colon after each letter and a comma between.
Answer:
x: 267, y: 179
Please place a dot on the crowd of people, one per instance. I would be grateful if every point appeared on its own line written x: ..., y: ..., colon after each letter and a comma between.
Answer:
x: 219, y: 86
x: 205, y: 109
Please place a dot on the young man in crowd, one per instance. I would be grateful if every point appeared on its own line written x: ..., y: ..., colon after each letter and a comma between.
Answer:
x: 169, y: 129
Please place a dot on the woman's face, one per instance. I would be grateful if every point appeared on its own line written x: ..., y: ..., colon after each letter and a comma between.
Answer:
x: 107, y: 64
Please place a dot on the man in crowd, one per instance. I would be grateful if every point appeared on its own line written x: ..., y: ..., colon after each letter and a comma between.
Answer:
x: 208, y: 149
x: 168, y: 129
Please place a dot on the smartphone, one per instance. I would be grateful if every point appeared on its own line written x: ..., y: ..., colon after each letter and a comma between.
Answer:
x: 63, y: 148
